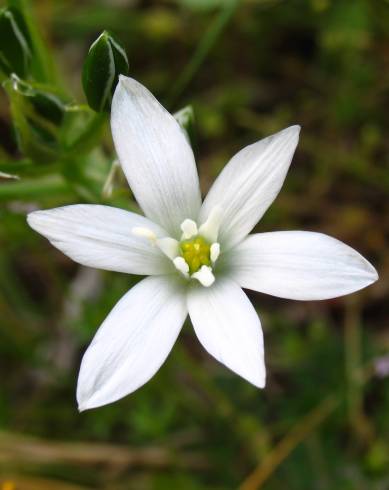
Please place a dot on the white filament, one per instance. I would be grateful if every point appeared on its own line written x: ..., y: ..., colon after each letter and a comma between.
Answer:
x: 210, y: 229
x: 169, y: 247
x: 144, y: 233
x: 215, y: 252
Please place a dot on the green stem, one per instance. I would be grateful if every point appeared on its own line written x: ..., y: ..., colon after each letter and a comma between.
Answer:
x: 352, y: 358
x: 90, y: 136
x: 35, y: 188
x: 359, y: 423
x: 206, y: 44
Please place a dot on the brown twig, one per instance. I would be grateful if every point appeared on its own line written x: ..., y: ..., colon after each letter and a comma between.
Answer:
x: 33, y: 483
x: 282, y: 450
x: 21, y: 450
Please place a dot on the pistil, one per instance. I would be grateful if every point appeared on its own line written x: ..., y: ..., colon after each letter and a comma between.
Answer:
x: 196, y: 253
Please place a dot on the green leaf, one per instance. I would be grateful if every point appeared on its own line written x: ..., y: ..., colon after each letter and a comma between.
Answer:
x: 15, y: 43
x: 38, y: 112
x: 87, y: 175
x: 106, y: 60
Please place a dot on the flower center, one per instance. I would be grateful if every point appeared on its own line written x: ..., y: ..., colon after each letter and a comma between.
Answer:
x: 196, y: 252
x: 195, y: 255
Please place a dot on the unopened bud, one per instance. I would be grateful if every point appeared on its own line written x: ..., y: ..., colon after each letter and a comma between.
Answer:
x: 104, y: 63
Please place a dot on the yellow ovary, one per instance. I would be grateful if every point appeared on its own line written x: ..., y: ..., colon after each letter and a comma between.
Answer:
x: 196, y: 253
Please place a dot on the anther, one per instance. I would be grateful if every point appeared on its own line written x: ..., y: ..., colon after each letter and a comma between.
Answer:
x: 204, y: 276
x: 189, y: 229
x: 214, y: 252
x: 182, y: 266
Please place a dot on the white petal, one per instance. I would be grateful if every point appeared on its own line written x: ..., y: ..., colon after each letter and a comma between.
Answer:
x: 132, y: 343
x: 102, y: 237
x: 229, y: 328
x: 155, y: 156
x: 249, y: 183
x: 299, y: 265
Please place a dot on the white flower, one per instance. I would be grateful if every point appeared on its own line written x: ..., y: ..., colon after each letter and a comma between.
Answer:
x: 199, y: 256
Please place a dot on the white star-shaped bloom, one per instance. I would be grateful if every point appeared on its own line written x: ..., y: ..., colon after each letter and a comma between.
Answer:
x: 198, y: 255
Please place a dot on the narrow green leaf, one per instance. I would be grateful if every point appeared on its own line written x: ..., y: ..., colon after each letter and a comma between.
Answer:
x: 51, y: 185
x: 42, y: 63
x: 15, y: 43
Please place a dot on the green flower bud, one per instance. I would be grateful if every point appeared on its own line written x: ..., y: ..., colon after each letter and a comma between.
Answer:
x: 15, y: 43
x: 38, y: 113
x: 104, y: 63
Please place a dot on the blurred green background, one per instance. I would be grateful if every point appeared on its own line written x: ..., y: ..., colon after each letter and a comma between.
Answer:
x: 249, y: 68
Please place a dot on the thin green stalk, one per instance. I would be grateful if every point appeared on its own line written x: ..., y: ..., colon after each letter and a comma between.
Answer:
x: 358, y: 421
x: 352, y: 340
x: 206, y: 44
x: 319, y: 463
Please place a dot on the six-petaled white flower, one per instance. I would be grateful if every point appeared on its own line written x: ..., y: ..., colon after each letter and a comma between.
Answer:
x: 198, y: 255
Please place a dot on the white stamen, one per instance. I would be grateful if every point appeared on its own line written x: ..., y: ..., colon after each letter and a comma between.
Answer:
x: 215, y: 251
x: 205, y: 276
x: 182, y: 266
x: 189, y: 229
x: 210, y: 229
x: 144, y: 233
x: 169, y: 247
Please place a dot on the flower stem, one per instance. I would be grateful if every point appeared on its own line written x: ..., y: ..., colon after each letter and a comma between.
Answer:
x: 208, y: 41
x: 90, y: 136
x: 358, y: 421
